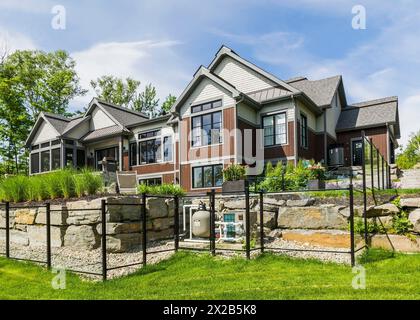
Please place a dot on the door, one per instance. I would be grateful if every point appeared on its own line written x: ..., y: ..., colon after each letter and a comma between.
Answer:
x: 357, y: 152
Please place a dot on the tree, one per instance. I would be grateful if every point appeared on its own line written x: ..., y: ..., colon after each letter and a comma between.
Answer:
x: 31, y: 82
x: 116, y: 90
x: 167, y: 105
x: 146, y: 101
x: 410, y: 156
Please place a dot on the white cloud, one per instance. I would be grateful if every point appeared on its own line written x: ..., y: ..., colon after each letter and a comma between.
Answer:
x: 12, y: 41
x: 149, y: 61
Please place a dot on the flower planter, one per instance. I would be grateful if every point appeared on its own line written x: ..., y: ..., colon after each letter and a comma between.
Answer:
x: 234, y: 186
x: 316, y: 184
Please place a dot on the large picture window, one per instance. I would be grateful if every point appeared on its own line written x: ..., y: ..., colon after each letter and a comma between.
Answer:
x: 207, y: 176
x: 133, y: 154
x: 304, y: 131
x: 35, y: 162
x: 109, y: 153
x: 167, y: 148
x: 206, y: 129
x: 150, y: 151
x: 275, y: 129
x: 55, y: 158
x: 45, y: 161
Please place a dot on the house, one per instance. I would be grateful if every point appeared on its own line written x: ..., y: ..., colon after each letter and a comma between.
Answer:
x: 231, y: 112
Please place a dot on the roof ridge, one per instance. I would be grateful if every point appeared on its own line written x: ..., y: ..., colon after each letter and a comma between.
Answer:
x: 374, y: 102
x: 125, y: 109
x: 56, y: 116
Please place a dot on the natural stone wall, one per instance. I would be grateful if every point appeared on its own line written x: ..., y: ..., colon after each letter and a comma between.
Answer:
x: 73, y: 224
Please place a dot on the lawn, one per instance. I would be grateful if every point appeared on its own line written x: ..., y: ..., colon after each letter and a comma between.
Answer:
x: 193, y: 276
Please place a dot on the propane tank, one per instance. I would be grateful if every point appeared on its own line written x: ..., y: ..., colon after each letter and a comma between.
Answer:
x: 201, y: 222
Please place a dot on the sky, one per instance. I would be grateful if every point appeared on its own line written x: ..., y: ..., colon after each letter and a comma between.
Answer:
x: 163, y: 42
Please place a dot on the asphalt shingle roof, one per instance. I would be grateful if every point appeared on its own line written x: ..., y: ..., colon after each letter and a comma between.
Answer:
x: 124, y: 116
x: 368, y: 114
x: 320, y: 91
x: 100, y: 133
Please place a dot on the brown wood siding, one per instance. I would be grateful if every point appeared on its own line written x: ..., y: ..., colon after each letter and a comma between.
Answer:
x: 310, y: 152
x: 126, y: 165
x: 168, y: 178
x: 378, y: 135
x: 154, y: 168
x: 242, y: 126
x: 285, y: 150
x: 319, y: 150
x: 225, y: 149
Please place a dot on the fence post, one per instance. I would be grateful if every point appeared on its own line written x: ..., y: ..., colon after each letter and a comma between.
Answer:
x: 7, y: 230
x: 262, y: 221
x: 48, y: 223
x: 377, y: 164
x: 283, y: 187
x: 364, y: 185
x: 247, y: 226
x: 103, y: 239
x: 212, y: 222
x: 383, y: 173
x: 176, y: 223
x: 144, y: 227
x: 371, y: 167
x: 352, y: 254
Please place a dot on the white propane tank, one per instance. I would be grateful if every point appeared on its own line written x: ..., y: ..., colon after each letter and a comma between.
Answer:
x: 201, y: 222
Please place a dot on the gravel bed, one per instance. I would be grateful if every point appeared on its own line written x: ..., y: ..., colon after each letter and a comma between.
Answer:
x: 90, y: 261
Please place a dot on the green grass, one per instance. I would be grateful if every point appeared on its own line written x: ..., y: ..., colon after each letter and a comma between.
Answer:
x: 191, y: 276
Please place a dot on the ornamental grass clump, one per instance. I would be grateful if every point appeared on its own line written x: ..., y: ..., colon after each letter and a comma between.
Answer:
x: 14, y: 189
x: 93, y: 183
x: 164, y: 189
x: 36, y: 189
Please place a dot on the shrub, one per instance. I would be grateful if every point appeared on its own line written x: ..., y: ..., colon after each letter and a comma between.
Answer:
x: 401, y: 224
x: 164, y: 189
x: 53, y: 185
x: 36, y: 188
x: 92, y: 182
x: 234, y: 172
x: 14, y: 189
x: 372, y: 226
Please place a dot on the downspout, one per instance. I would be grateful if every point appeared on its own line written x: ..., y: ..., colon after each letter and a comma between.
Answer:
x: 325, y: 138
x: 295, y: 140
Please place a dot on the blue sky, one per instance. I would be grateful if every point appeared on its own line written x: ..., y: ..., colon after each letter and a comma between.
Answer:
x: 164, y: 42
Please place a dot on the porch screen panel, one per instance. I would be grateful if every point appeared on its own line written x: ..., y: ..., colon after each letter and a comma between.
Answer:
x: 55, y: 159
x: 35, y: 162
x: 45, y: 161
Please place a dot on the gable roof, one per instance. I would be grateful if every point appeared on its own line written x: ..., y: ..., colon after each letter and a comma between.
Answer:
x: 121, y: 116
x: 200, y: 74
x: 369, y: 114
x: 226, y: 51
x: 101, y: 133
x: 320, y: 91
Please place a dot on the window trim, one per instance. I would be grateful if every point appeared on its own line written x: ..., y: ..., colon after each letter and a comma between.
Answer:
x: 202, y: 166
x: 201, y: 115
x: 304, y: 144
x: 201, y: 104
x: 171, y: 148
x: 273, y: 115
x: 130, y: 153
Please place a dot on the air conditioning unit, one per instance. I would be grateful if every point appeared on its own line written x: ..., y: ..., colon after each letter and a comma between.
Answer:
x: 336, y: 156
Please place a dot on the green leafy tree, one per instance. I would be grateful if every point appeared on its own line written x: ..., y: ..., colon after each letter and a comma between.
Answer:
x: 167, y: 104
x: 410, y: 156
x: 147, y: 102
x: 31, y: 82
x: 116, y: 90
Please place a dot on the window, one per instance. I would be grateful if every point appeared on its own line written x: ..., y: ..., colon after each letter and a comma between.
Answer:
x: 304, y: 131
x: 35, y: 147
x: 110, y: 153
x: 35, y: 163
x: 133, y: 154
x: 80, y: 158
x: 70, y: 142
x: 206, y: 106
x: 207, y: 176
x: 275, y: 129
x: 68, y: 157
x: 149, y: 134
x: 151, y: 181
x: 45, y: 145
x: 150, y: 151
x: 55, y: 159
x: 206, y: 129
x: 55, y: 142
x: 167, y: 148
x: 45, y: 161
